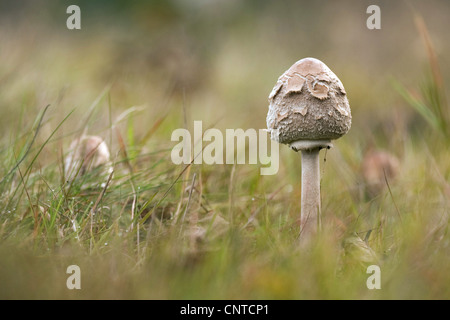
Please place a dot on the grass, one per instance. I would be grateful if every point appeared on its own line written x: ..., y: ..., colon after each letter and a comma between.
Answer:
x: 155, y: 230
x: 186, y: 243
x: 432, y: 103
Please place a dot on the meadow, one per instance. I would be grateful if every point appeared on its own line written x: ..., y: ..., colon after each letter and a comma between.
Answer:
x: 155, y: 230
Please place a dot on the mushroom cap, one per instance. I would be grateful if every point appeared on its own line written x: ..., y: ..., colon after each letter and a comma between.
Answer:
x: 89, y: 152
x: 308, y: 102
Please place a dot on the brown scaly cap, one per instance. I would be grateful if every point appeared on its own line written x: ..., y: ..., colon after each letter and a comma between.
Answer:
x: 308, y: 102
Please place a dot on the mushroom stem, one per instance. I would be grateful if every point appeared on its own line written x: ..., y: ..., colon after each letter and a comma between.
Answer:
x: 310, y: 221
x: 310, y: 218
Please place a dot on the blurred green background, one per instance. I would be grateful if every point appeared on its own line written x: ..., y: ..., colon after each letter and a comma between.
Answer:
x: 221, y: 56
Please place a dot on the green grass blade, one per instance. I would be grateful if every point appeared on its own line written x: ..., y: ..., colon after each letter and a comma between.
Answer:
x: 419, y: 106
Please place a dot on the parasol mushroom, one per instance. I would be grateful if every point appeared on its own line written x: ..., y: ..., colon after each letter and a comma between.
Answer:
x: 308, y: 108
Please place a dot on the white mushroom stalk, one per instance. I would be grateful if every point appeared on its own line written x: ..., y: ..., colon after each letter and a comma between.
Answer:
x: 309, y: 108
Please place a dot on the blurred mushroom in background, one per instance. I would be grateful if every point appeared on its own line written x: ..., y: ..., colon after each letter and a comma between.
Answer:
x: 378, y: 166
x: 88, y: 154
